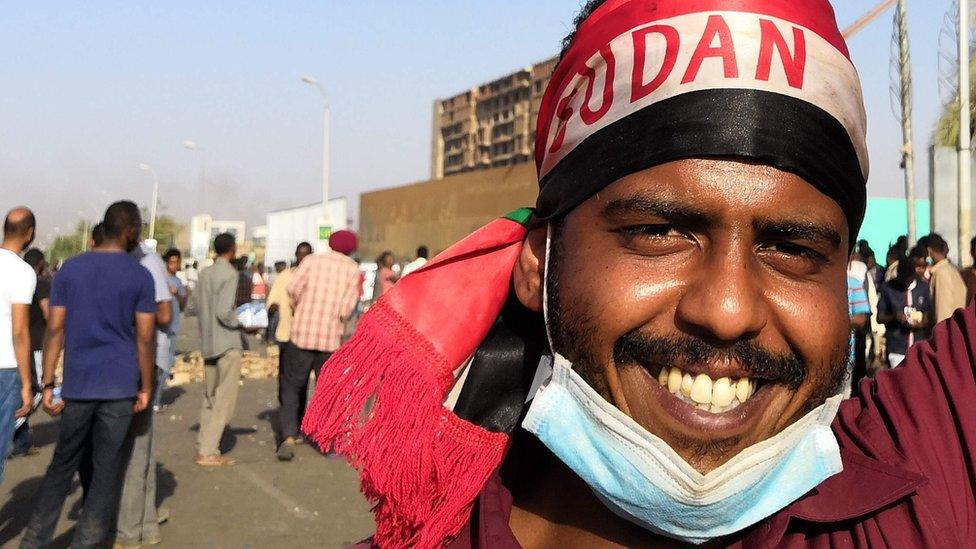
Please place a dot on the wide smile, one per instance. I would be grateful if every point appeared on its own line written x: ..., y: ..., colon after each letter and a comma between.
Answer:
x: 707, y: 406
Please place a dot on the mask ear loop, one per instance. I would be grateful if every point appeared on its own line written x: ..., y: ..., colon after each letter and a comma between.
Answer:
x: 544, y: 372
x: 545, y: 287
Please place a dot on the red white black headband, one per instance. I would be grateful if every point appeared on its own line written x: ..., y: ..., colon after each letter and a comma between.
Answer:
x: 647, y: 82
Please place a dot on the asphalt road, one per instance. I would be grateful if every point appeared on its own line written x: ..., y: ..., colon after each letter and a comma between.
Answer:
x: 312, y: 501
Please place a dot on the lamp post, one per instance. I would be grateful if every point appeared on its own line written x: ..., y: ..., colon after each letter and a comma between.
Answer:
x: 326, y: 114
x: 965, y: 153
x: 191, y: 145
x: 155, y: 199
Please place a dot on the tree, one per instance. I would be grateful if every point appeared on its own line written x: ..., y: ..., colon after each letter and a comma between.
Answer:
x: 947, y: 128
x: 66, y: 246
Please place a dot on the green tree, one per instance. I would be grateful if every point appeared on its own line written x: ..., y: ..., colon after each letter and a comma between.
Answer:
x: 167, y: 231
x: 947, y: 128
x: 69, y: 245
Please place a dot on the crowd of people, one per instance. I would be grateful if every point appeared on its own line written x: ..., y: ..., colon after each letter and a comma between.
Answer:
x: 893, y: 306
x: 113, y: 313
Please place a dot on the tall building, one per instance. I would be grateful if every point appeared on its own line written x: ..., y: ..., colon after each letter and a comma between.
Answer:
x: 490, y: 125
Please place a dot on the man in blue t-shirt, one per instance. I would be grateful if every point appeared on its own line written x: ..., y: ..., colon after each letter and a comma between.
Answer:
x: 102, y: 312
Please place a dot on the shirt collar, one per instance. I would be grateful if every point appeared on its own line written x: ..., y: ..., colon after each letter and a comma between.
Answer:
x: 864, y: 486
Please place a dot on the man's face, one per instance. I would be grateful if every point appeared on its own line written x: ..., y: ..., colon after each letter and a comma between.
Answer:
x: 921, y: 265
x: 173, y: 264
x: 131, y: 235
x: 725, y: 271
x: 301, y: 253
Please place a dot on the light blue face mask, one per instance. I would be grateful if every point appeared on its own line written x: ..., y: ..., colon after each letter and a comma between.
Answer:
x: 641, y: 479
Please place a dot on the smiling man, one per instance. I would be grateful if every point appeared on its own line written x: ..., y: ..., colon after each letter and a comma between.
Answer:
x: 655, y: 355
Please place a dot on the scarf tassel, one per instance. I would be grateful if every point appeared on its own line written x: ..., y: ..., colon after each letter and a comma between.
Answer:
x: 379, y: 404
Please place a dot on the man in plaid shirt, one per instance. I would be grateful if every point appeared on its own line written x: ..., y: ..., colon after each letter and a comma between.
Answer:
x: 324, y: 289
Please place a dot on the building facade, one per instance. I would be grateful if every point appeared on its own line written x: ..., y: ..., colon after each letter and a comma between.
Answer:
x: 439, y: 212
x: 287, y: 228
x: 491, y: 125
x: 204, y: 228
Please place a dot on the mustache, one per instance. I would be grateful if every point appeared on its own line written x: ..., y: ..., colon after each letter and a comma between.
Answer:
x: 635, y: 347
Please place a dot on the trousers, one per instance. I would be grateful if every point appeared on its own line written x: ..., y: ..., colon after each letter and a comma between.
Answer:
x: 221, y: 378
x: 137, y: 519
x: 295, y: 365
x: 9, y: 402
x: 105, y: 423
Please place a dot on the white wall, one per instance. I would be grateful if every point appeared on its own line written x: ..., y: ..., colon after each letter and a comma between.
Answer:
x: 287, y: 228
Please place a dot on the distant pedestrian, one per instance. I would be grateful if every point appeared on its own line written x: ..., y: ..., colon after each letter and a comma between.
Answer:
x: 181, y: 297
x: 325, y: 290
x: 945, y: 282
x: 102, y: 312
x: 222, y: 344
x: 860, y: 315
x: 420, y: 261
x: 969, y: 274
x: 17, y: 282
x: 23, y: 443
x: 138, y: 522
x: 259, y: 283
x: 385, y: 277
x: 243, y: 294
x: 192, y: 275
x: 905, y: 309
x: 281, y: 305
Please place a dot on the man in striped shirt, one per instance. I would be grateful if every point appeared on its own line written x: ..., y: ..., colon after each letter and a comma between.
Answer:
x: 324, y: 289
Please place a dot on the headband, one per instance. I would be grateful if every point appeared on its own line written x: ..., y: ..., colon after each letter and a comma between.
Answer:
x: 644, y: 83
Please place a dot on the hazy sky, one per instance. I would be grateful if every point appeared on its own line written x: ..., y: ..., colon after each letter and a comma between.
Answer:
x: 92, y: 89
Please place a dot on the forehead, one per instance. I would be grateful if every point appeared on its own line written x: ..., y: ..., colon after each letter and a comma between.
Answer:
x: 727, y: 190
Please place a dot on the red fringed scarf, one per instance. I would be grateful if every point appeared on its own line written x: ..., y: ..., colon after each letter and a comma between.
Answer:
x: 379, y: 402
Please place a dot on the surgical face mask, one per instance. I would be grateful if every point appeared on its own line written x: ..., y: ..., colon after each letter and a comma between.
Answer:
x: 643, y: 480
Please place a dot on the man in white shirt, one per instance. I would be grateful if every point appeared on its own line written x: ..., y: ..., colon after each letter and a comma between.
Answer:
x: 422, y: 255
x: 17, y: 281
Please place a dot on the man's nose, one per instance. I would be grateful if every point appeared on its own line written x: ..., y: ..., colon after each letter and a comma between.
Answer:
x: 724, y: 301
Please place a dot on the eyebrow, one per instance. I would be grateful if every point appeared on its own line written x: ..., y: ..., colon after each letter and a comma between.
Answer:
x: 641, y: 206
x: 797, y: 230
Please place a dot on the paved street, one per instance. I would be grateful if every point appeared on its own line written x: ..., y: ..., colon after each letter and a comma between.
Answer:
x: 312, y: 501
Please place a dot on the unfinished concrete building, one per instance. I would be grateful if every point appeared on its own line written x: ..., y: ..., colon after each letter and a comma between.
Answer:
x: 491, y: 125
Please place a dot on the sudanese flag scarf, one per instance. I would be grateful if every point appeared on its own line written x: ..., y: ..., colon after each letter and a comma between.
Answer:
x: 643, y: 83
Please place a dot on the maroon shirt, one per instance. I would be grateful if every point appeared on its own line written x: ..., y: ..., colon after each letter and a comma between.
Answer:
x: 908, y: 447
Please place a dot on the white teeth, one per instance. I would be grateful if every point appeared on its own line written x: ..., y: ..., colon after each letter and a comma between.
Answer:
x: 722, y: 392
x: 714, y: 396
x: 674, y: 380
x: 743, y: 389
x: 701, y: 391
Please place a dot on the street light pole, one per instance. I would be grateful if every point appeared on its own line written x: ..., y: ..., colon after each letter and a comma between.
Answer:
x: 965, y: 153
x: 155, y: 199
x: 326, y: 120
x: 195, y: 147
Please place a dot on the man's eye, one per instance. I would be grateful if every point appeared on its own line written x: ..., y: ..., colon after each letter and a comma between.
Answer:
x: 660, y: 230
x: 797, y: 251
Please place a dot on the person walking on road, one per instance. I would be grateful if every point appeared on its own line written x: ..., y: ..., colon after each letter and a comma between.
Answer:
x: 181, y: 296
x: 17, y: 281
x: 324, y: 289
x: 945, y: 282
x: 23, y: 440
x: 138, y: 521
x: 221, y: 335
x: 281, y: 305
x: 422, y: 257
x: 102, y: 312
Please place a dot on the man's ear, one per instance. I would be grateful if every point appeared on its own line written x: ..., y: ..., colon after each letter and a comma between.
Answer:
x: 530, y: 270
